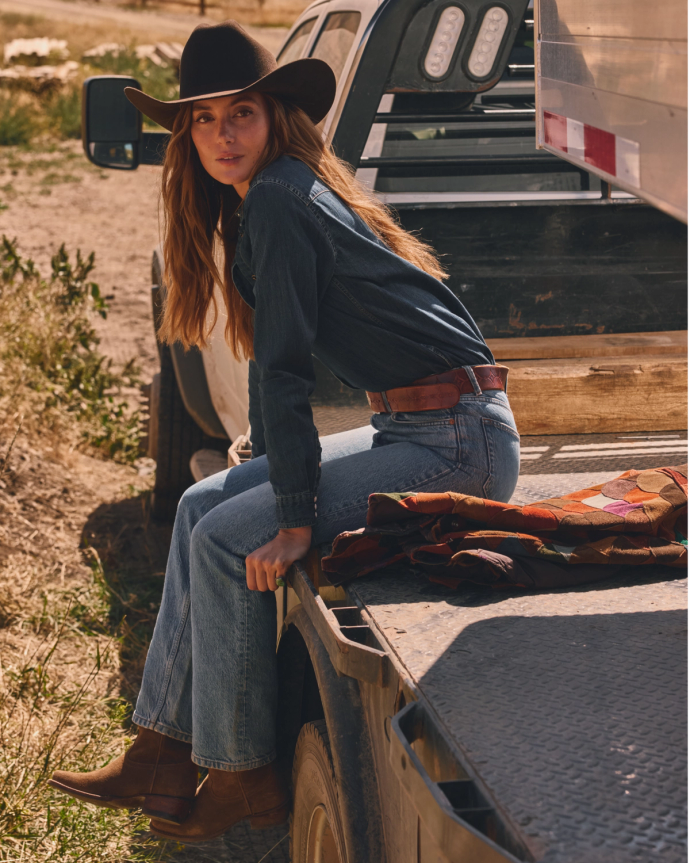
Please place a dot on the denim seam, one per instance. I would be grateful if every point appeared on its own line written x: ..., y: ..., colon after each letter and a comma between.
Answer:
x: 233, y: 766
x: 418, y: 484
x: 161, y: 728
x: 354, y: 302
x: 171, y: 659
x: 297, y: 497
x: 437, y: 353
x: 502, y: 426
x: 245, y: 673
x: 490, y: 456
x: 427, y: 424
x: 318, y: 194
x: 459, y: 449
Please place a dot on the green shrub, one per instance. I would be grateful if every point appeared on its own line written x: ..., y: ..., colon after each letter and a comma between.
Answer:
x: 63, y: 112
x: 51, y: 370
x: 19, y: 121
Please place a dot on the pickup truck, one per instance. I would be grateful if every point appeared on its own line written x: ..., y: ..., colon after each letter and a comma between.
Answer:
x: 421, y: 724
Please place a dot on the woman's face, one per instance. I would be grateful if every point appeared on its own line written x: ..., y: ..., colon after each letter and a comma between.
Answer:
x: 230, y: 134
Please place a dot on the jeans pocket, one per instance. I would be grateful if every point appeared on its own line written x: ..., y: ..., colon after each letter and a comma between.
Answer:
x: 503, y: 452
x: 441, y: 417
x: 434, y: 430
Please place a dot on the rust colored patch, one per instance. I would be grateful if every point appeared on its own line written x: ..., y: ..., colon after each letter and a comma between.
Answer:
x: 583, y: 494
x: 637, y: 496
x: 576, y: 506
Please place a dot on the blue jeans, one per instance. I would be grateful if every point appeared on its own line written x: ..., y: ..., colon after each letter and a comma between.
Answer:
x: 210, y: 675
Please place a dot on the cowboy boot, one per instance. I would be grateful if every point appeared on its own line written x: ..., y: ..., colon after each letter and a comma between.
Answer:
x: 226, y: 797
x: 156, y: 773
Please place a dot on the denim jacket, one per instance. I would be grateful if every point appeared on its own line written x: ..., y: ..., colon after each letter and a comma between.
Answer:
x: 322, y: 284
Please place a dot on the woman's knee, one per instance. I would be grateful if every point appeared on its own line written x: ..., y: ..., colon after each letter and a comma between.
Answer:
x: 212, y: 549
x: 198, y: 500
x: 232, y: 530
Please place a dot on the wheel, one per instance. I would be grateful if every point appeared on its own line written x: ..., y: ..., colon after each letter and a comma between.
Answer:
x: 316, y: 833
x: 178, y: 437
x: 174, y: 436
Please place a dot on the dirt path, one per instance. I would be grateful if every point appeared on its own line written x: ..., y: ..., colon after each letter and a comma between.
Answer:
x: 59, y: 197
x: 156, y: 24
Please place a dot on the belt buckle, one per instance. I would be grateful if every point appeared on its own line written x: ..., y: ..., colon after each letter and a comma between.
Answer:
x: 386, y: 403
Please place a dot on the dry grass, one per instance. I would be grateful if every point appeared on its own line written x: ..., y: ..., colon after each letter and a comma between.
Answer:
x: 80, y: 578
x: 79, y: 39
x: 61, y: 646
x: 29, y: 112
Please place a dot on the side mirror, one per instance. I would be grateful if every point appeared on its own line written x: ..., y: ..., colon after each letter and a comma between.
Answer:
x: 111, y: 126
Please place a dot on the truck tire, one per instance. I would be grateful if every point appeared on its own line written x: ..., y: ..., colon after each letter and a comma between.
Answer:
x: 178, y: 438
x: 316, y: 832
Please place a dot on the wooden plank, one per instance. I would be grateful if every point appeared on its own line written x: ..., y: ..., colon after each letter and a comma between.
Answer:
x: 674, y: 342
x: 599, y: 395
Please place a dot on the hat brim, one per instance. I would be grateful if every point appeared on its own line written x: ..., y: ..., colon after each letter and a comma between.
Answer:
x: 310, y: 84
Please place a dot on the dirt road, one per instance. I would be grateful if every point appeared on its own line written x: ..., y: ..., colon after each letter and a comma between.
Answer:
x: 158, y: 24
x: 58, y: 197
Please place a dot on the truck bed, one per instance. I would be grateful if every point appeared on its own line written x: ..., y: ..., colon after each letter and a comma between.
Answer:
x: 568, y: 706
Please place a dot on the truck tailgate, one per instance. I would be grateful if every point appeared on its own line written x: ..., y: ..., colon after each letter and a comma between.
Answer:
x: 569, y: 706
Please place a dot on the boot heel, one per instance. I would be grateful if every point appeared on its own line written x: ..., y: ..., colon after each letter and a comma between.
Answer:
x: 171, y: 809
x: 270, y: 819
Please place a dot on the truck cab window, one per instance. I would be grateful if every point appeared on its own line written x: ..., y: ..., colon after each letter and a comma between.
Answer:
x: 335, y: 40
x: 298, y: 40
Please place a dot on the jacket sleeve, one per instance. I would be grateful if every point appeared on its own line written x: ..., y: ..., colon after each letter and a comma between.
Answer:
x: 256, y: 422
x: 292, y: 262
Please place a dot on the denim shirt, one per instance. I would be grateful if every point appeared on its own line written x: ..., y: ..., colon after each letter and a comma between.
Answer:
x: 322, y: 284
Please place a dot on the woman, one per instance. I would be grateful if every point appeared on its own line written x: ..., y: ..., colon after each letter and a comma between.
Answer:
x: 313, y: 266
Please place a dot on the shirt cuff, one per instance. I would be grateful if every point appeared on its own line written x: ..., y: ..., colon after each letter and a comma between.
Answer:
x: 296, y: 510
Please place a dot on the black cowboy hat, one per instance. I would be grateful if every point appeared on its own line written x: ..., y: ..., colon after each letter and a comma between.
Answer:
x: 223, y: 60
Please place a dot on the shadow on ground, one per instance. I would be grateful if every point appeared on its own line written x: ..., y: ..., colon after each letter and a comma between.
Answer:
x: 133, y: 550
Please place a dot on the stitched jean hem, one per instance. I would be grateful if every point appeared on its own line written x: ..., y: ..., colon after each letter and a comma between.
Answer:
x: 161, y: 728
x: 234, y: 766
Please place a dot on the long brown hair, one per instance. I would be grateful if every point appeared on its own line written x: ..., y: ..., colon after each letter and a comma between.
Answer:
x: 199, y: 211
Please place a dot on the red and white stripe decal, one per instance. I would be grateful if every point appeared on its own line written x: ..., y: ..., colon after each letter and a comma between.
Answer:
x: 617, y: 156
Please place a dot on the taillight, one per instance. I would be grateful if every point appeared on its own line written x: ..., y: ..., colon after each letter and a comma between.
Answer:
x: 442, y: 47
x: 488, y: 42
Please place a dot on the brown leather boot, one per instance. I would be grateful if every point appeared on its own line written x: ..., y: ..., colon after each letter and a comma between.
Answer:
x: 156, y: 773
x: 226, y: 797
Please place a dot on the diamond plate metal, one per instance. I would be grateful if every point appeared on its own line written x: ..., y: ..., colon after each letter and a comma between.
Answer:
x: 570, y: 705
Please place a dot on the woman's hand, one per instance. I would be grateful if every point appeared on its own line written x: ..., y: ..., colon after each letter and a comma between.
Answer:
x: 273, y: 560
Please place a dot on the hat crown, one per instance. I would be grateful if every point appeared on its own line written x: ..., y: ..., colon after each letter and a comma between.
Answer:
x: 222, y: 57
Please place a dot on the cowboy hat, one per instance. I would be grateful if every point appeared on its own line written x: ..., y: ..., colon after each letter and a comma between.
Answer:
x: 223, y: 60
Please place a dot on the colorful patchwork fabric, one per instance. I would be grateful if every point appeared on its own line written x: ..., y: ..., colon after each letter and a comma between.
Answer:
x: 637, y: 519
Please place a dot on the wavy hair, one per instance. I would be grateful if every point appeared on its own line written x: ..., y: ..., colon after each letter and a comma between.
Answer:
x: 200, y: 212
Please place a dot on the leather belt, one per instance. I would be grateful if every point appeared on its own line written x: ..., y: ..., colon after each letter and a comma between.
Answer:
x: 439, y: 391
